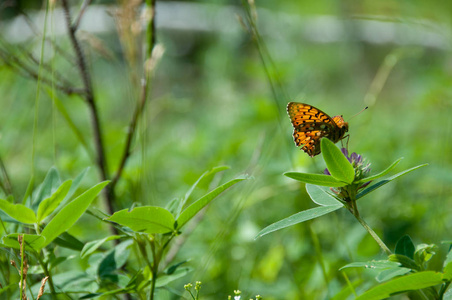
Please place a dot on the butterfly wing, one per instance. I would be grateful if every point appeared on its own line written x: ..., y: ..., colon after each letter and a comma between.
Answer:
x: 310, y: 125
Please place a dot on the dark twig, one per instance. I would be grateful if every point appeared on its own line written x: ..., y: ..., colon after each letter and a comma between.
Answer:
x: 80, y: 14
x: 142, y: 102
x: 26, y: 71
x: 90, y: 99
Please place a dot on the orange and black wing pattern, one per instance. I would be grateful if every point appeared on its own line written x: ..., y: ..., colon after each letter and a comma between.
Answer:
x: 311, y: 124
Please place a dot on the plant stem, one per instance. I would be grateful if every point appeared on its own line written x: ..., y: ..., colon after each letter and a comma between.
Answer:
x: 90, y: 100
x: 371, y: 232
x: 47, y: 273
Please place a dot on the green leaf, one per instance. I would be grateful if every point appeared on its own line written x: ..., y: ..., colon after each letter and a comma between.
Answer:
x: 194, y: 208
x: 338, y: 165
x: 92, y: 246
x: 75, y: 184
x: 114, y: 259
x: 383, y: 182
x: 75, y: 282
x: 448, y: 258
x: 149, y: 219
x: 409, y: 282
x: 405, y: 247
x: 317, y: 179
x: 170, y: 270
x: 164, y: 280
x: 210, y: 172
x: 424, y: 253
x: 51, y: 181
x: 448, y: 272
x: 381, y: 174
x: 48, y: 205
x: 18, y: 212
x: 405, y: 261
x: 391, y: 273
x: 68, y: 241
x: 321, y: 196
x: 373, y: 264
x: 298, y: 218
x: 32, y: 241
x: 71, y: 213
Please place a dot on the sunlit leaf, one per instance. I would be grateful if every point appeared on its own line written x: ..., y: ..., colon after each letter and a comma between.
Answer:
x: 317, y: 179
x: 199, y: 204
x: 338, y: 165
x: 383, y: 182
x: 149, y: 219
x: 48, y: 205
x: 320, y: 195
x: 18, y: 212
x: 71, y: 213
x: 381, y: 174
x: 415, y: 281
x: 302, y: 216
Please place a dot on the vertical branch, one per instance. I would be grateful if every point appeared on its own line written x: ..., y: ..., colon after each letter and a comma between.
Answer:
x: 90, y: 99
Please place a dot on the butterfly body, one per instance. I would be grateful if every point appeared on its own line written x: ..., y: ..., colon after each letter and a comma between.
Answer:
x: 311, y: 124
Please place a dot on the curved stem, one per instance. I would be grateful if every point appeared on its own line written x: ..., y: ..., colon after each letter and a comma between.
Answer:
x: 372, y: 233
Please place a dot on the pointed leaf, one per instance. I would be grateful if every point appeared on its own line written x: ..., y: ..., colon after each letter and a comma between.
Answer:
x: 149, y: 219
x: 51, y: 181
x: 374, y: 264
x: 391, y: 273
x: 164, y: 280
x: 298, y: 218
x: 75, y: 185
x: 317, y: 179
x: 405, y: 247
x: 92, y: 246
x: 114, y: 259
x: 448, y: 272
x: 404, y: 260
x: 71, y: 213
x: 415, y: 281
x: 67, y: 240
x: 383, y: 182
x: 192, y: 188
x: 48, y: 205
x: 448, y: 258
x: 321, y: 196
x: 194, y: 208
x: 338, y: 165
x: 32, y: 241
x: 18, y: 212
x: 381, y: 174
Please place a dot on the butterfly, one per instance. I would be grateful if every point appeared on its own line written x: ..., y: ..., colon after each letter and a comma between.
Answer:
x: 311, y: 124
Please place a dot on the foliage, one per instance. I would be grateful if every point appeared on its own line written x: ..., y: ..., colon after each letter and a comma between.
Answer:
x: 109, y: 97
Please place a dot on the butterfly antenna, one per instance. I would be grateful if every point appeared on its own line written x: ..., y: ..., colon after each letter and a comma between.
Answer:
x: 358, y: 113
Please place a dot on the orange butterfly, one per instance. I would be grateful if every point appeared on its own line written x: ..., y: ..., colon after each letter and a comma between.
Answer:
x: 311, y: 124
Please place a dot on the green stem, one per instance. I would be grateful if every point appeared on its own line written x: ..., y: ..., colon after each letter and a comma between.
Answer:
x: 154, y: 268
x: 47, y: 273
x: 370, y: 231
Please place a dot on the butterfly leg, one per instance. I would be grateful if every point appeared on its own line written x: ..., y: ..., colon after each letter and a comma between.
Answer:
x: 346, y: 144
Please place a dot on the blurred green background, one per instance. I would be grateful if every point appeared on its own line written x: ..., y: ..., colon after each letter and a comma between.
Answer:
x: 211, y: 104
